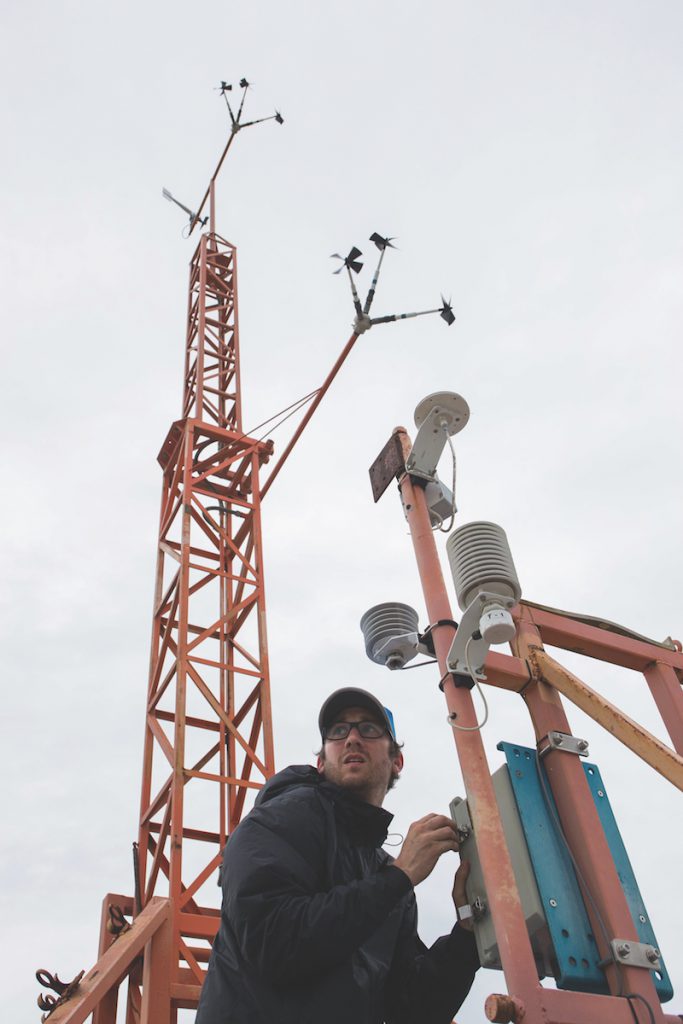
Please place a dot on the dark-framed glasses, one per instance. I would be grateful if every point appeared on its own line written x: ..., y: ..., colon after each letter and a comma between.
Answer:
x: 368, y: 730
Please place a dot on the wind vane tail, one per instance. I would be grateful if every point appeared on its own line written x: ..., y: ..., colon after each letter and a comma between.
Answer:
x: 382, y: 244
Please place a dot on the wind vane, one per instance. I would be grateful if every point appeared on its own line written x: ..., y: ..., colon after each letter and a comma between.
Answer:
x: 364, y: 321
x: 236, y: 124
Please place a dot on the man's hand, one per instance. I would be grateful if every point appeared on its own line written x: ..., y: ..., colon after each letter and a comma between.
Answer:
x: 459, y: 894
x: 426, y: 840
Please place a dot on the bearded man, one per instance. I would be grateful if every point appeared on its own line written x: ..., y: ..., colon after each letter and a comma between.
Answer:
x: 320, y: 924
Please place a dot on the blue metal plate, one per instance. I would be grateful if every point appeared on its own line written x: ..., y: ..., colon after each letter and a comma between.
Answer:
x: 570, y: 930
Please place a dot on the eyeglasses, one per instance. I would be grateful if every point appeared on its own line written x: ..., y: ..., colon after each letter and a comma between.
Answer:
x: 368, y: 730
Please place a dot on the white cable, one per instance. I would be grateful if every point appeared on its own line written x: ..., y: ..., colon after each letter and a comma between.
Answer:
x: 476, y: 679
x: 440, y: 525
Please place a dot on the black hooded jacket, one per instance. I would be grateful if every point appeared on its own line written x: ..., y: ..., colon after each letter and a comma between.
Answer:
x: 318, y: 926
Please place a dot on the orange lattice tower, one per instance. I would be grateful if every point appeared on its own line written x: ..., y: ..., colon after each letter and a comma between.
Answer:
x: 208, y: 733
x: 208, y: 729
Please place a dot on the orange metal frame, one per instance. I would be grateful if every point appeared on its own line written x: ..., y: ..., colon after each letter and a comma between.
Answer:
x: 540, y: 681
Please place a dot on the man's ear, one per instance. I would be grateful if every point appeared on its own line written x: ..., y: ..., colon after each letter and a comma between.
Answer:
x: 320, y: 765
x: 397, y: 765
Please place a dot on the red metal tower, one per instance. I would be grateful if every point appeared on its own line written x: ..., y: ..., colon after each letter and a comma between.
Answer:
x: 208, y: 732
x: 208, y: 729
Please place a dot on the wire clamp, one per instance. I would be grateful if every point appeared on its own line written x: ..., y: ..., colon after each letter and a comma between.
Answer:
x: 64, y: 990
x: 566, y: 742
x: 117, y: 923
x: 636, y: 954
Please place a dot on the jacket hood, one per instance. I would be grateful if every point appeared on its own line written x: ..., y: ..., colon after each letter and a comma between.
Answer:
x: 295, y: 775
x: 367, y: 824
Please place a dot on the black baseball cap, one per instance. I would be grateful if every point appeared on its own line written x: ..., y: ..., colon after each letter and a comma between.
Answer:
x: 351, y: 696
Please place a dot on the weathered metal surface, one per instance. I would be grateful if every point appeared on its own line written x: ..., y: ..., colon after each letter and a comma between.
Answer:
x: 503, y: 1009
x: 114, y: 965
x: 64, y: 989
x: 608, y: 909
x: 665, y: 687
x: 573, y: 634
x: 388, y: 465
x: 630, y: 733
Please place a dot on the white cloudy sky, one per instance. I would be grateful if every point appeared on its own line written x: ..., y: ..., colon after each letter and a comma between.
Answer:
x: 529, y: 159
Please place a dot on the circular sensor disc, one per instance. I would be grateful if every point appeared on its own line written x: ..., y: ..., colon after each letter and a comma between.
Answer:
x: 451, y: 407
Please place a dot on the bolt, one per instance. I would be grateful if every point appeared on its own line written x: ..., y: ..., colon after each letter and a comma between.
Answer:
x: 600, y: 793
x: 553, y: 903
x: 583, y: 744
x: 479, y: 908
x: 559, y: 740
x: 652, y: 954
x: 503, y: 1009
x: 623, y: 950
x: 643, y: 918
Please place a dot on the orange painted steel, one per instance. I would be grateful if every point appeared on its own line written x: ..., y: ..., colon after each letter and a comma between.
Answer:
x: 322, y: 391
x: 665, y: 687
x: 653, y: 751
x: 149, y: 936
x: 531, y: 672
x: 606, y: 906
x: 208, y: 730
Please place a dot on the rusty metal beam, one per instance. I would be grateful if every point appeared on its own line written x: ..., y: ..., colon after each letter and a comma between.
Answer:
x: 634, y: 736
x: 114, y: 964
x: 665, y: 687
x: 570, y: 634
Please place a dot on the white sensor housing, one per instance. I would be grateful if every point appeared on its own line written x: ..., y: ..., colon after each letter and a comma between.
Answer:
x: 487, y: 588
x: 480, y: 559
x: 391, y: 634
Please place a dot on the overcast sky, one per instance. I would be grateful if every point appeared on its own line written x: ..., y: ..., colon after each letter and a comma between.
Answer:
x: 529, y: 158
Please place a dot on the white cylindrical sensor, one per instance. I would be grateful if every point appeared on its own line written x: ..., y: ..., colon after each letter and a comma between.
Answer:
x: 496, y: 625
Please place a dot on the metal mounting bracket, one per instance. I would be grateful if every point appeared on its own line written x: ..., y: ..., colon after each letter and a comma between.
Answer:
x: 469, y: 628
x: 571, y: 744
x: 636, y: 954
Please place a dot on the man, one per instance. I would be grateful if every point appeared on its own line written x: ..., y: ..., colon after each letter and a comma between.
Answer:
x: 318, y: 925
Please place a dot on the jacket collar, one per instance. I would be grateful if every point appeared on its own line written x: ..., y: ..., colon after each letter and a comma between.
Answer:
x: 366, y: 824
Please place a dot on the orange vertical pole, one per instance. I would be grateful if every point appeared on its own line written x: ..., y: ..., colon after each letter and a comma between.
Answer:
x: 156, y: 977
x: 511, y: 933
